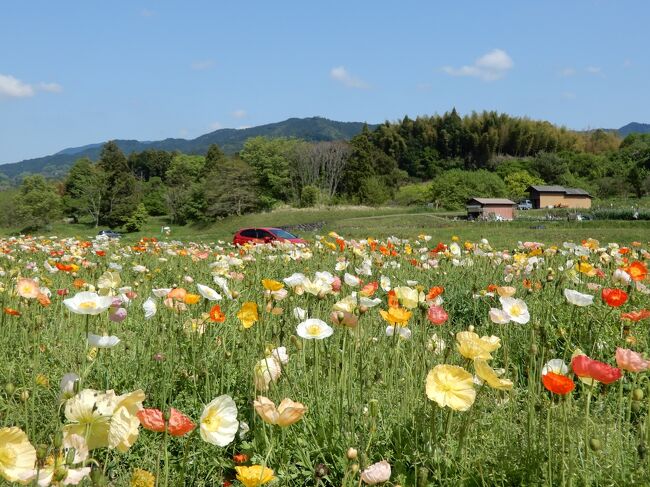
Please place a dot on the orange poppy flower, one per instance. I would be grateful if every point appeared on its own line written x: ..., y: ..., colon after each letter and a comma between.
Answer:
x: 493, y: 287
x: 557, y: 383
x: 177, y: 293
x: 614, y: 297
x: 153, y: 420
x: 78, y: 283
x: 636, y: 315
x: 12, y: 312
x: 369, y: 289
x: 240, y: 458
x: 637, y: 270
x: 216, y: 314
x: 191, y: 298
x: 434, y: 292
x: 393, y: 301
x: 43, y: 299
x: 100, y: 253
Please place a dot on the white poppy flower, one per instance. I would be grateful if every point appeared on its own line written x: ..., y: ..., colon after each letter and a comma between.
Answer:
x: 299, y: 313
x: 102, y: 341
x: 88, y: 303
x: 219, y: 423
x: 556, y: 366
x: 314, y: 328
x: 208, y: 293
x: 577, y: 298
x: 150, y: 308
x: 517, y: 310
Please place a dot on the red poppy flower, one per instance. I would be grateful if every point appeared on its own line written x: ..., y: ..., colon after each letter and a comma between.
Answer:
x: 437, y: 315
x: 216, y: 314
x: 614, y: 297
x: 637, y: 270
x: 153, y: 420
x: 62, y: 292
x: 434, y: 292
x: 100, y: 253
x: 584, y: 366
x: 557, y: 383
x: 636, y: 315
x: 439, y: 248
x: 12, y: 312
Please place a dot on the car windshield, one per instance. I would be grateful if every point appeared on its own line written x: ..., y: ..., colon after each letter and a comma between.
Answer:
x: 282, y: 233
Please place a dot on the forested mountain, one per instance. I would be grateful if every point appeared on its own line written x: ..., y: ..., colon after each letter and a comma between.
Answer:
x: 230, y: 141
x: 634, y: 128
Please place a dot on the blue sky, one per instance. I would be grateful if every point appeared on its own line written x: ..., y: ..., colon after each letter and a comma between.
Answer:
x: 79, y: 72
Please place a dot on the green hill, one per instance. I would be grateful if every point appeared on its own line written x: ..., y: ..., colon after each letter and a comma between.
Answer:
x: 230, y: 141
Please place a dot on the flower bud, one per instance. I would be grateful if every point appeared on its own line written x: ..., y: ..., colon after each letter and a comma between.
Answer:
x: 374, y: 407
x: 60, y: 473
x: 533, y: 349
x: 470, y: 328
x: 636, y: 406
x: 24, y: 395
x: 352, y: 453
x: 57, y: 441
x: 10, y: 388
x: 354, y: 468
x: 295, y: 342
x: 595, y: 444
x: 637, y: 394
x: 41, y: 453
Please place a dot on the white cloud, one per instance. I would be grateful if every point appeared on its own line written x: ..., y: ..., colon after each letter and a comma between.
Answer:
x: 14, y: 88
x: 50, y: 87
x: 202, y: 65
x: 242, y: 127
x: 341, y: 75
x: 489, y: 67
x: 594, y: 70
x: 215, y: 126
x: 568, y: 72
x: 239, y: 114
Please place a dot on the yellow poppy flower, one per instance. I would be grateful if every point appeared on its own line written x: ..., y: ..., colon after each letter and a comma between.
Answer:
x: 396, y: 316
x: 271, y: 285
x: 191, y: 298
x: 451, y: 386
x: 248, y: 314
x: 471, y: 346
x: 487, y: 374
x: 254, y: 476
x: 17, y: 455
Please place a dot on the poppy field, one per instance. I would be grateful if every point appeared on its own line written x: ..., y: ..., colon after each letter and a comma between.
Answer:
x: 345, y: 362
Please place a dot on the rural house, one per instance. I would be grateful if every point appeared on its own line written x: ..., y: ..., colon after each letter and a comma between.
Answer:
x: 491, y: 208
x: 559, y: 197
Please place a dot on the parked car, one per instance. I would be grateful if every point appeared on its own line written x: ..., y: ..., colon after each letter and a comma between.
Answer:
x: 109, y: 234
x: 525, y: 205
x: 264, y: 235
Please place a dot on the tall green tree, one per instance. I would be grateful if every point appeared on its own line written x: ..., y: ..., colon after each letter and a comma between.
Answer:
x: 119, y: 198
x: 37, y: 202
x: 184, y: 189
x: 241, y: 195
x: 270, y: 159
x: 83, y: 191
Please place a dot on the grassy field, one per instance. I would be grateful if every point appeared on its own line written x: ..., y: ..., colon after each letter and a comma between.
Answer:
x: 432, y: 374
x: 362, y: 222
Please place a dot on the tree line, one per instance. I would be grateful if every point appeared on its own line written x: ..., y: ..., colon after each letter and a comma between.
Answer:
x: 486, y: 154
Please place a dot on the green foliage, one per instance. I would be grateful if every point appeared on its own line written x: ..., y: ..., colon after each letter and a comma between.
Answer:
x: 153, y: 196
x: 119, y: 196
x: 184, y: 195
x: 137, y: 220
x: 374, y: 191
x: 309, y: 196
x: 454, y: 188
x: 413, y: 194
x: 37, y: 203
x: 231, y: 190
x: 517, y: 182
x: 84, y: 188
x: 270, y: 158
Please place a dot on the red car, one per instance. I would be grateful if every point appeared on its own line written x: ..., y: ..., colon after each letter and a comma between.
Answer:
x: 264, y: 235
